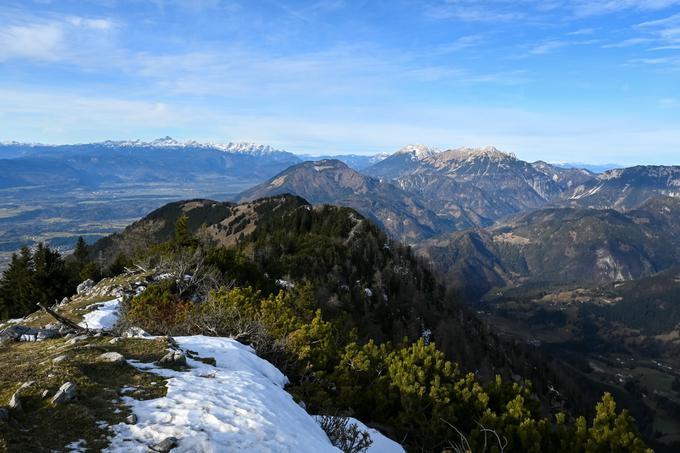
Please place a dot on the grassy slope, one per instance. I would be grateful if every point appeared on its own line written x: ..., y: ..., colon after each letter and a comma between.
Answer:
x: 42, y: 426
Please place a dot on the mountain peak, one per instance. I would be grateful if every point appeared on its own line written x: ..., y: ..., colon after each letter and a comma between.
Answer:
x: 418, y: 151
x: 490, y: 152
x: 169, y: 142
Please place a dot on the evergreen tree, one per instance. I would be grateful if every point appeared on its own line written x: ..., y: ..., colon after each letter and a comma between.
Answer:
x: 182, y: 231
x: 16, y: 286
x: 51, y: 279
x: 80, y: 253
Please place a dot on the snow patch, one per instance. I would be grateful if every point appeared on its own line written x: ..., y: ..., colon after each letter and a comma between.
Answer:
x: 381, y: 443
x: 103, y: 317
x: 238, y: 405
x: 418, y: 152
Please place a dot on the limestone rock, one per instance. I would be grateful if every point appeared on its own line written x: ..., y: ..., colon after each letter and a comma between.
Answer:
x: 165, y: 445
x: 66, y: 393
x: 85, y: 286
x: 173, y: 358
x: 112, y: 357
x: 57, y: 360
x: 46, y: 334
x: 15, y: 402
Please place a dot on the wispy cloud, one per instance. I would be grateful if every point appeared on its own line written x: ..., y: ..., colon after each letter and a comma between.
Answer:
x: 582, y: 32
x: 474, y: 11
x: 51, y: 38
x: 666, y: 30
x: 462, y: 43
x: 548, y: 47
x: 600, y: 7
x: 630, y: 42
x: 33, y: 41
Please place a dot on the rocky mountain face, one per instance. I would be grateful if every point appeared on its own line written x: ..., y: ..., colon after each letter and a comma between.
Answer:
x: 401, y: 213
x: 560, y: 245
x: 485, y: 181
x: 626, y: 188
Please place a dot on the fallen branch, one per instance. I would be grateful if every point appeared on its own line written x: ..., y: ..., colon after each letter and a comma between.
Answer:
x: 63, y: 320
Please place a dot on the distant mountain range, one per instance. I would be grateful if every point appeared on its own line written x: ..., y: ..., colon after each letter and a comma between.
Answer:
x: 416, y: 194
x: 561, y: 245
x: 402, y: 214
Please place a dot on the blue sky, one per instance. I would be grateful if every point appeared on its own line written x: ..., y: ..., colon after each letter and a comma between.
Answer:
x: 581, y: 80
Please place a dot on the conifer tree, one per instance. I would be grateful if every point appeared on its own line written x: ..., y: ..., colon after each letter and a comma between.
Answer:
x: 80, y: 253
x: 16, y: 286
x: 182, y: 231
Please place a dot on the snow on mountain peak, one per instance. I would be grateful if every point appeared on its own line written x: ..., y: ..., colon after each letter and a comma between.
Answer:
x: 489, y: 152
x: 418, y: 151
x: 169, y: 142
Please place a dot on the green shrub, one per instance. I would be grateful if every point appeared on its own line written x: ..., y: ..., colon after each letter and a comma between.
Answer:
x: 159, y: 310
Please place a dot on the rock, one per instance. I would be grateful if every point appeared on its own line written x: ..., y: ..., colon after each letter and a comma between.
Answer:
x: 46, y: 334
x: 85, y: 286
x: 165, y: 445
x: 25, y: 385
x: 15, y: 402
x: 173, y: 358
x: 76, y: 339
x: 131, y: 419
x: 64, y: 301
x: 112, y: 357
x: 4, y: 414
x: 45, y: 394
x: 59, y: 359
x: 208, y: 360
x: 134, y: 332
x: 171, y: 341
x: 16, y: 333
x: 66, y: 393
x: 115, y: 340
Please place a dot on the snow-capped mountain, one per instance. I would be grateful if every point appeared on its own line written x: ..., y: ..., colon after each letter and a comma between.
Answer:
x: 489, y: 182
x: 161, y: 160
x: 417, y: 151
x: 169, y: 142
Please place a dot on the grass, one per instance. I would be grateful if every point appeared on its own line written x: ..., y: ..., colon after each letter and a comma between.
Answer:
x: 42, y: 426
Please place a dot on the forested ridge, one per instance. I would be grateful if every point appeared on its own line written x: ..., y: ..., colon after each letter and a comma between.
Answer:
x: 358, y: 323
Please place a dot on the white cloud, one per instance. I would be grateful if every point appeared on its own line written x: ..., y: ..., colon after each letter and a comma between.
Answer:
x: 474, y: 11
x: 548, y: 47
x: 53, y: 38
x: 33, y: 41
x: 92, y: 24
x: 630, y: 42
x: 599, y: 7
x: 666, y: 30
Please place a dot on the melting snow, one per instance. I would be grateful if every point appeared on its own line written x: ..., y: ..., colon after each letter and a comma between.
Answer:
x: 238, y: 405
x: 104, y: 316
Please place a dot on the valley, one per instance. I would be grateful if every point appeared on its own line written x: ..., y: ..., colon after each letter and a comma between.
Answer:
x: 563, y: 263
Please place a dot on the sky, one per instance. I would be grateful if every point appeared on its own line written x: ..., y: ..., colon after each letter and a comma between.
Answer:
x: 593, y: 81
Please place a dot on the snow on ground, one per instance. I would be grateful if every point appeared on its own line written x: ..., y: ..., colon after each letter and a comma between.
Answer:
x: 104, y: 316
x: 238, y: 405
x: 381, y: 443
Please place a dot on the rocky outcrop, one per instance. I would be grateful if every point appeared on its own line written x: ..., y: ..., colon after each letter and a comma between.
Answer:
x: 66, y: 393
